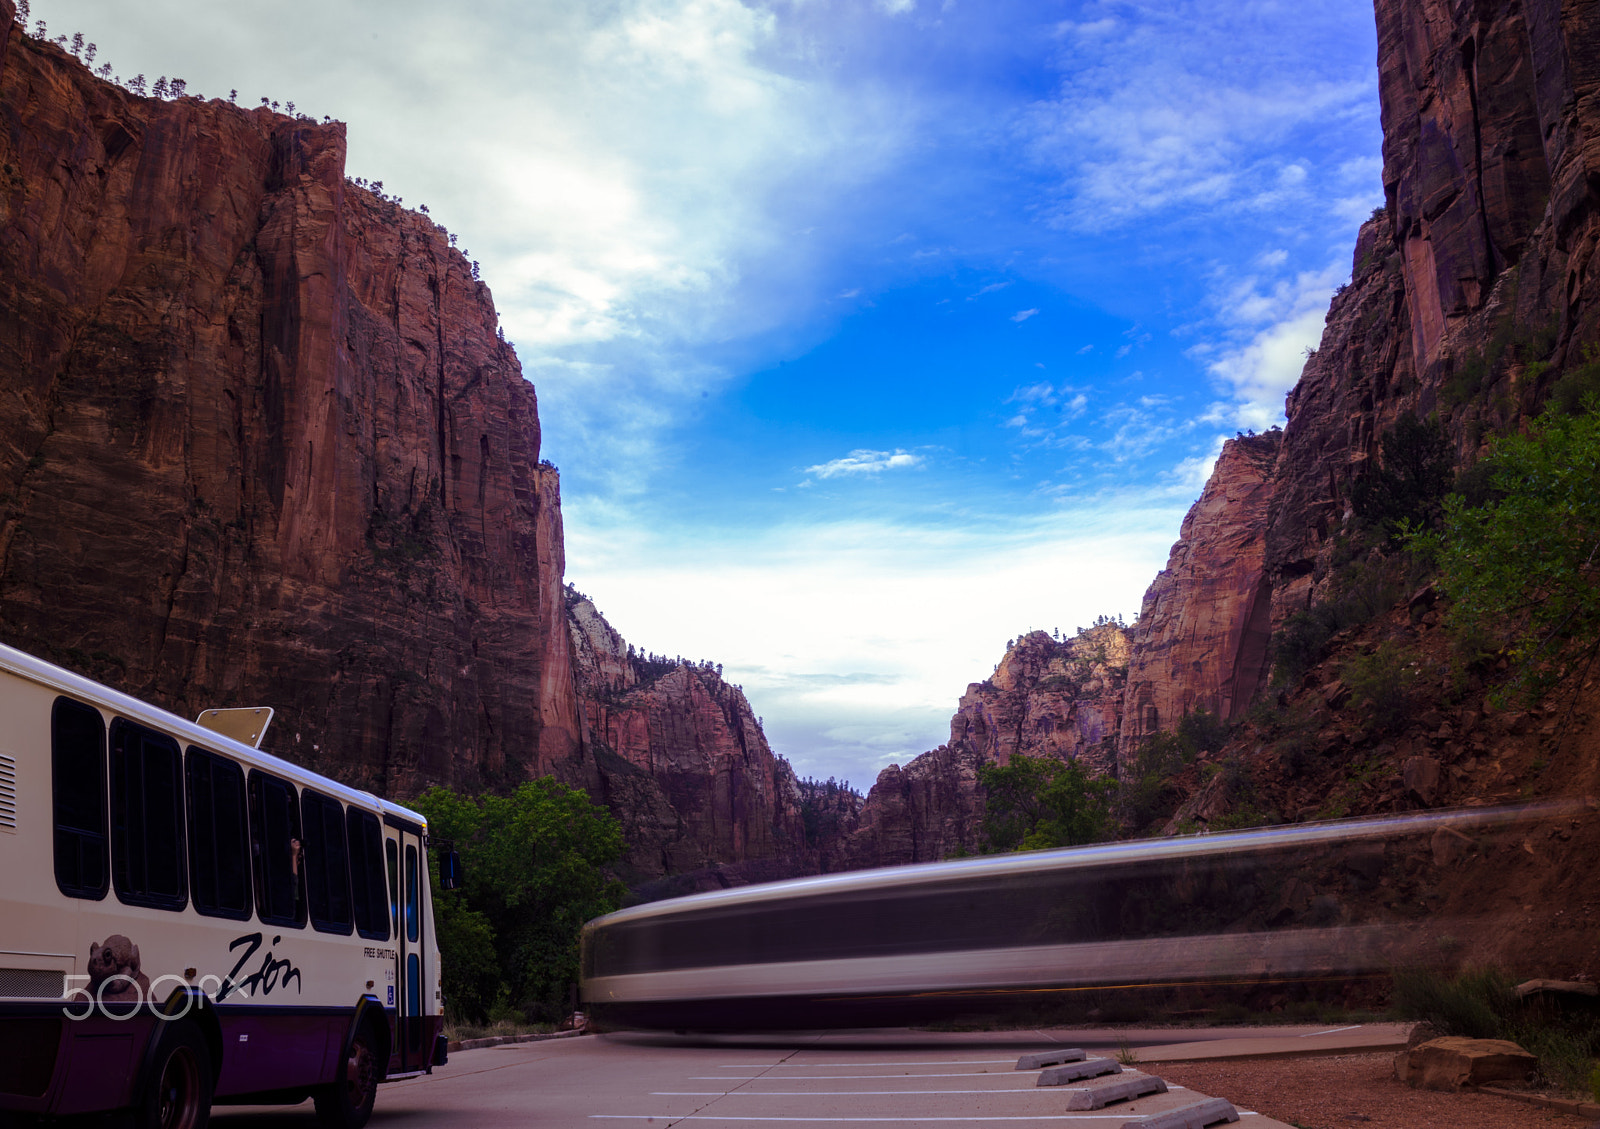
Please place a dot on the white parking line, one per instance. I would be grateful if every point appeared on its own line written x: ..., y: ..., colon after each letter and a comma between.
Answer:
x: 944, y: 1062
x: 1335, y: 1031
x: 831, y: 1093
x: 837, y: 1077
x: 676, y: 1117
x: 673, y: 1118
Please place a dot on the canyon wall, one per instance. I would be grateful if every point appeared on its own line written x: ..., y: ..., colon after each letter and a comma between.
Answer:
x: 680, y: 757
x: 262, y: 442
x: 1471, y: 292
x: 1060, y: 698
x: 1207, y: 613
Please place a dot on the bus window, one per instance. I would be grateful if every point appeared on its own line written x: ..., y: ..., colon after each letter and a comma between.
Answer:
x: 412, y: 908
x: 147, y: 864
x: 393, y: 853
x: 78, y: 770
x: 276, y: 851
x: 219, y: 848
x: 366, y: 873
x: 327, y: 865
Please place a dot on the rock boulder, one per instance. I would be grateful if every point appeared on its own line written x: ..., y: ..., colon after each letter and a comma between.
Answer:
x: 1454, y: 1063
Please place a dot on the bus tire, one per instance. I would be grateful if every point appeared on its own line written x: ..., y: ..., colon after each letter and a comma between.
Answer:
x: 347, y: 1102
x: 177, y: 1091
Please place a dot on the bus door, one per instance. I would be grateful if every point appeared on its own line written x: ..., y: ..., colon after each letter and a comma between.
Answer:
x: 408, y: 871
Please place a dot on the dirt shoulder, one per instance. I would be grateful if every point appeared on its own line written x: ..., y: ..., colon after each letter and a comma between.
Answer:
x: 1338, y: 1092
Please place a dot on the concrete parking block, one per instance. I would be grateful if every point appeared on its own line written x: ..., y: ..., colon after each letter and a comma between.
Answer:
x: 1129, y: 1086
x: 1212, y: 1111
x: 1076, y: 1071
x: 1050, y: 1058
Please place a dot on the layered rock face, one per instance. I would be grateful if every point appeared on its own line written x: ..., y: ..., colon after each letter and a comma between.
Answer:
x: 1047, y: 697
x: 1205, y: 627
x: 680, y: 757
x: 1470, y: 291
x: 260, y: 442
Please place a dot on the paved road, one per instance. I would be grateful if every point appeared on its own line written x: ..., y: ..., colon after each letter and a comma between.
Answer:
x: 904, y: 1079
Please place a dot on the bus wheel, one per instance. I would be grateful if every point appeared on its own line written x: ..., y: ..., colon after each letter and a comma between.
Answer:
x: 178, y: 1092
x: 347, y: 1103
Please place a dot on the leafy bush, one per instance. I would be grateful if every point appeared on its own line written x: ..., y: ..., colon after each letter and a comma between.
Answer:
x: 1038, y: 802
x: 532, y: 874
x: 1523, y: 568
x: 1473, y: 1005
x: 1575, y: 386
x: 1359, y: 593
x: 1415, y: 473
x: 1147, y: 793
x: 1294, y: 738
x: 1381, y: 685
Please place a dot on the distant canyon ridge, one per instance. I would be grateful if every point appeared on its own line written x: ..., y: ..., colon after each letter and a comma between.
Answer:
x: 261, y: 441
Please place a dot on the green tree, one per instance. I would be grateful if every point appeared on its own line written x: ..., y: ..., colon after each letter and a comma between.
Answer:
x: 533, y: 874
x: 1523, y: 565
x: 1038, y: 802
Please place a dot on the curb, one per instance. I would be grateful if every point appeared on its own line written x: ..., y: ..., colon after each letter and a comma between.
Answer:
x: 1561, y: 1105
x: 501, y: 1040
x: 1308, y: 1052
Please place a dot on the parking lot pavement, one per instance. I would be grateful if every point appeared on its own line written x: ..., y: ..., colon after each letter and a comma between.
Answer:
x: 821, y: 1080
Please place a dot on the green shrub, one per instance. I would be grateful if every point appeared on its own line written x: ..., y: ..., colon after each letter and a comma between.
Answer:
x: 1294, y: 739
x: 1381, y: 685
x: 1474, y: 1004
x: 1466, y: 380
x: 1415, y: 472
x: 1147, y: 791
x: 1575, y: 386
x: 1359, y: 592
x: 1522, y: 568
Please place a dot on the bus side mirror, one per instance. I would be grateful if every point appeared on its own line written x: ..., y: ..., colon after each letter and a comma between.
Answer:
x: 450, y: 870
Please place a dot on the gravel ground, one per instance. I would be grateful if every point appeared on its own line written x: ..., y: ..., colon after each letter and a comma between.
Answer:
x: 1338, y: 1092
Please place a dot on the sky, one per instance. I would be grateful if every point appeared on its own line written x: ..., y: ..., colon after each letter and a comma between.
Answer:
x: 867, y: 334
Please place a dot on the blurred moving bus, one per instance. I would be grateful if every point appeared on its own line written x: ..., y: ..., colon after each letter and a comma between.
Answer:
x: 1303, y: 907
x: 187, y: 920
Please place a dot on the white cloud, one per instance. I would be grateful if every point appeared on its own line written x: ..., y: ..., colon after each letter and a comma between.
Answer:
x: 1272, y: 329
x: 618, y: 168
x: 1023, y: 315
x: 866, y: 462
x: 827, y: 626
x: 1189, y: 476
x: 1157, y: 118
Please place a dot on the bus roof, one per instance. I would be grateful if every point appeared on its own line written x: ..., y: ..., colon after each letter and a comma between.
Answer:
x: 24, y: 665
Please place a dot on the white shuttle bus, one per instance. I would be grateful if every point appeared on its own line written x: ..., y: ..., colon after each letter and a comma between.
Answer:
x: 187, y: 920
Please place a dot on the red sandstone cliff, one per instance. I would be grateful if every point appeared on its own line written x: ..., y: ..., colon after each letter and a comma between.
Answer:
x: 1204, y: 630
x: 1047, y: 697
x: 680, y: 756
x: 1470, y: 293
x: 260, y: 441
